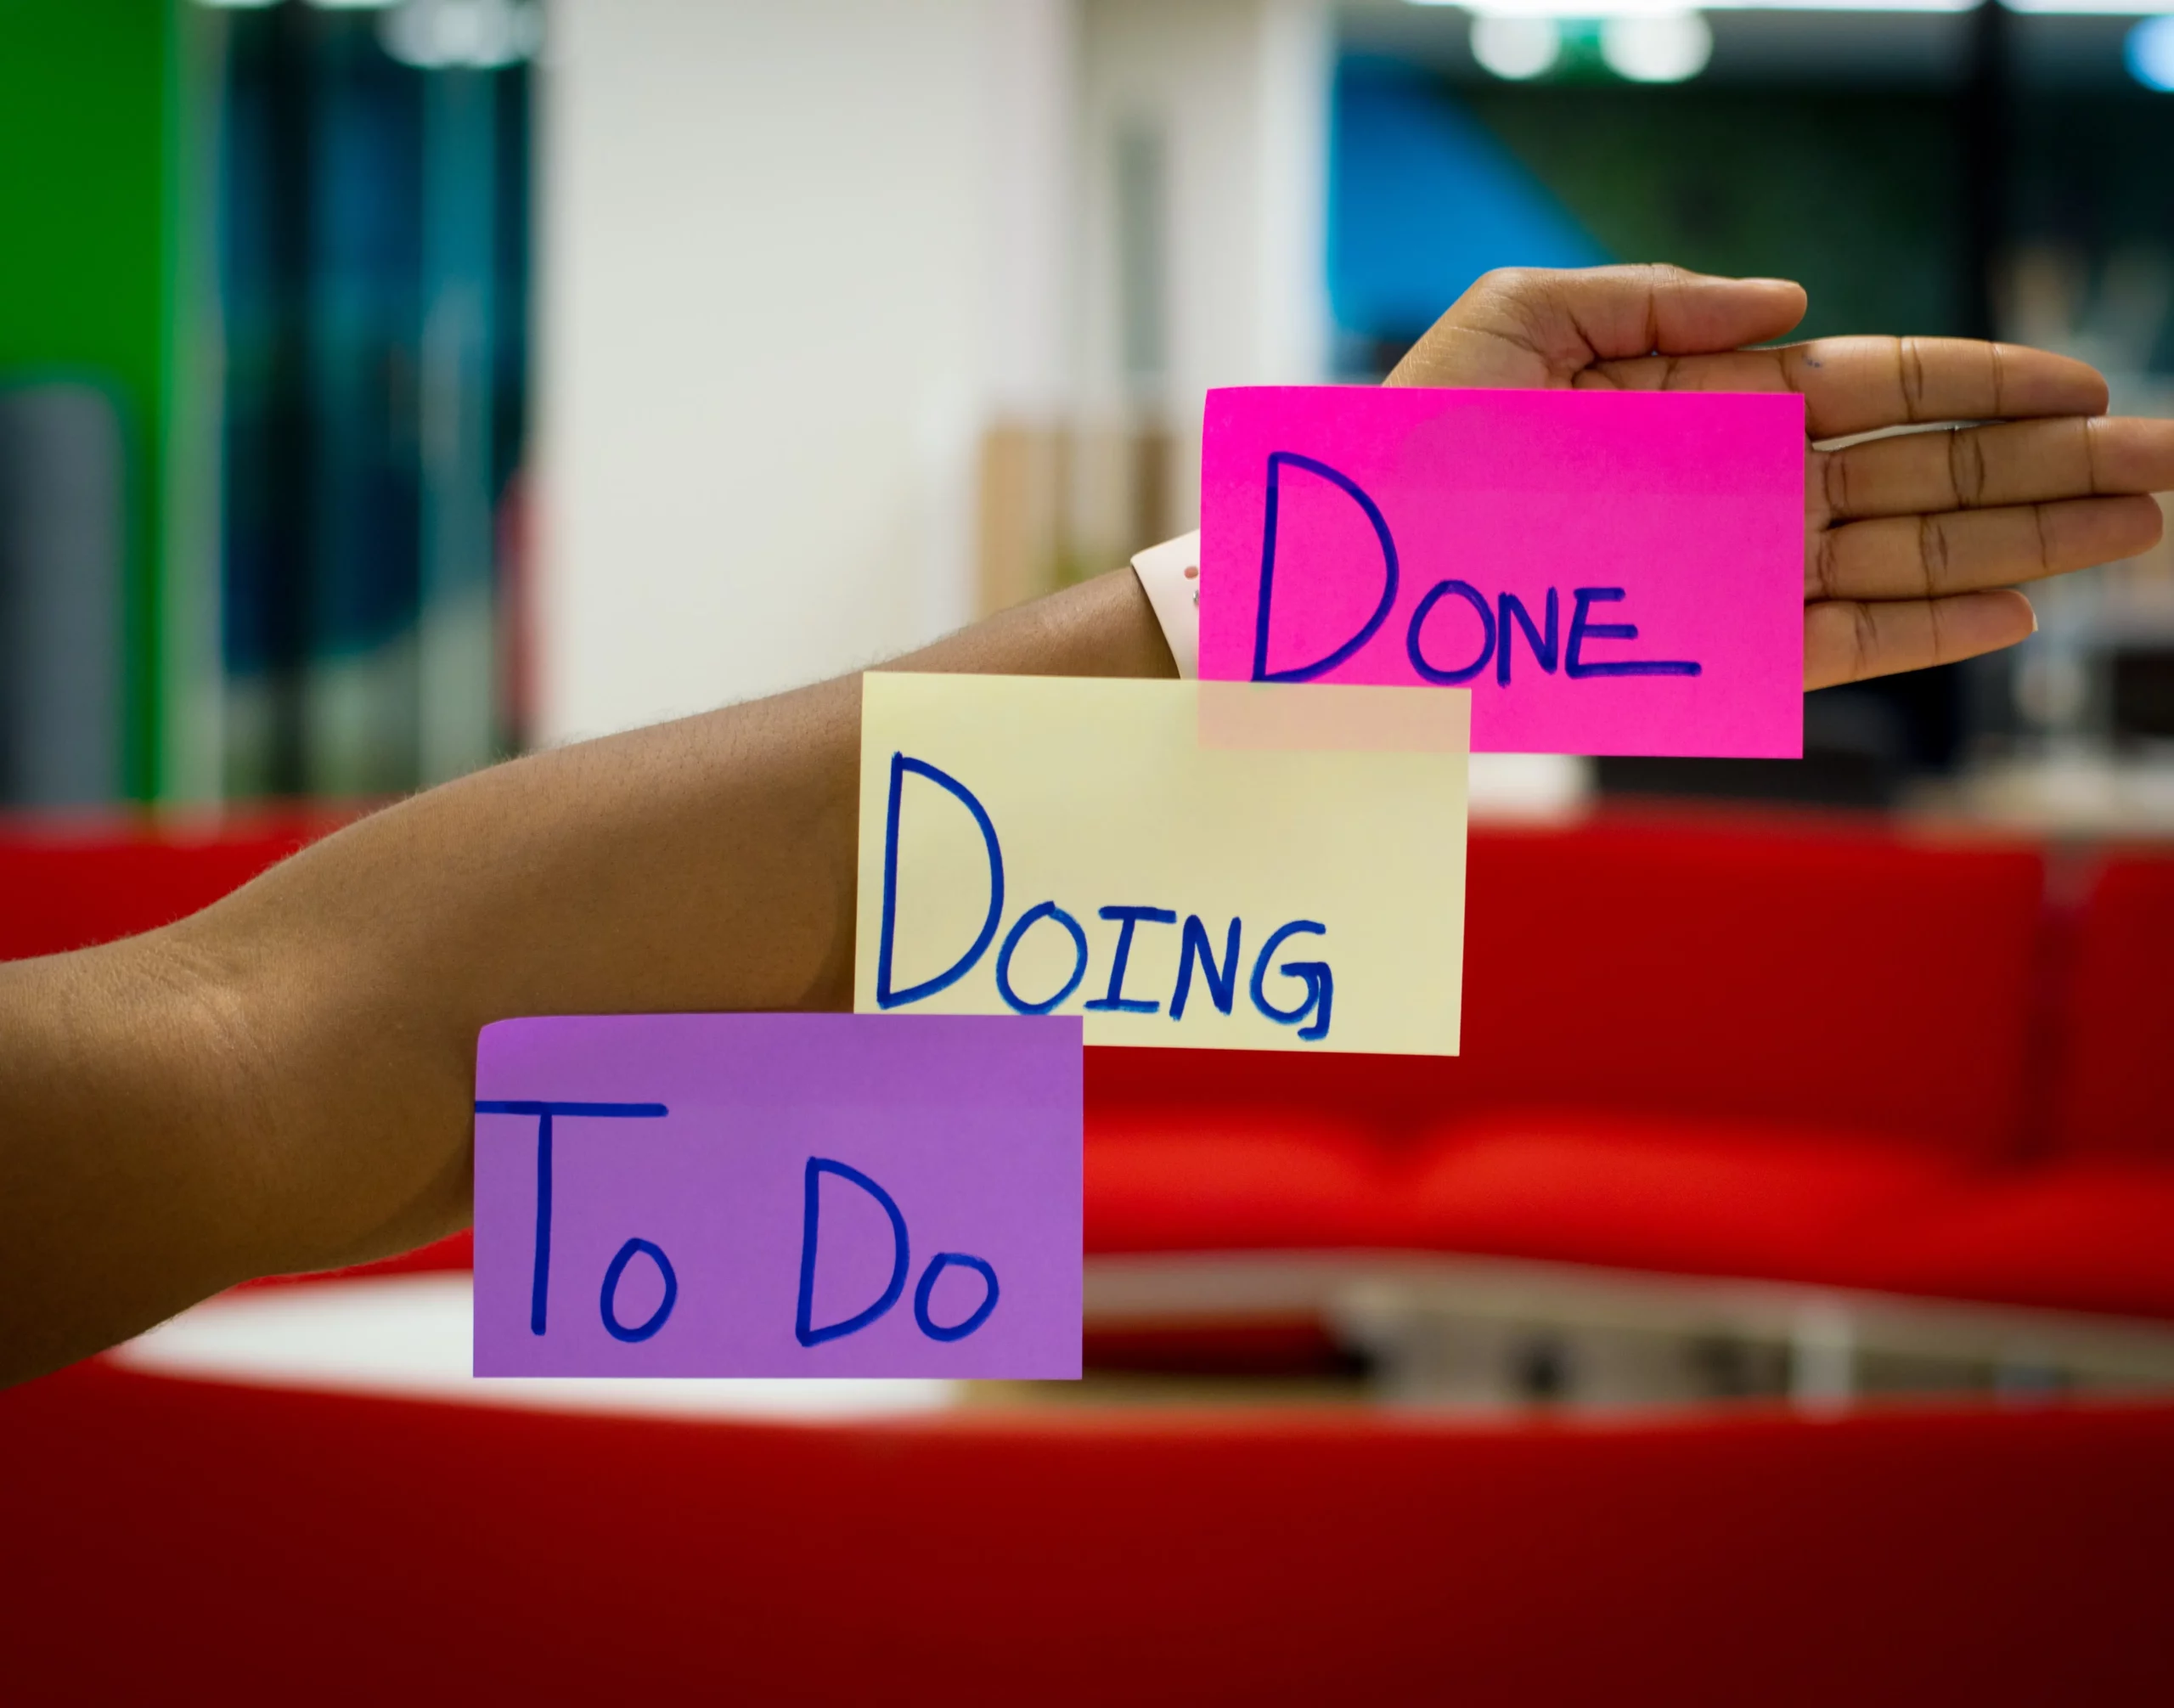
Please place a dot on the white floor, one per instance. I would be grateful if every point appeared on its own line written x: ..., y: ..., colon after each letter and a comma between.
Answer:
x: 409, y: 1336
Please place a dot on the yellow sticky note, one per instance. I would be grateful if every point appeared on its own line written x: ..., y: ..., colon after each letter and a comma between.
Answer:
x: 1206, y: 865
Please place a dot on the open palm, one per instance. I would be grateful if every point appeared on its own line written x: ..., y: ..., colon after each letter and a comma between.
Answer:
x: 1912, y: 542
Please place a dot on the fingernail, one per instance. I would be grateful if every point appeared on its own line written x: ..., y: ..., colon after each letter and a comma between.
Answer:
x: 2034, y: 616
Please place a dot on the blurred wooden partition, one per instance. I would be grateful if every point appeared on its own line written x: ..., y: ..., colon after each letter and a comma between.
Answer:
x: 1060, y: 501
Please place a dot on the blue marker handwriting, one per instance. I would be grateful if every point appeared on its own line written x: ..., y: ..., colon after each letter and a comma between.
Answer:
x: 1308, y: 1006
x: 806, y: 1330
x: 1455, y: 630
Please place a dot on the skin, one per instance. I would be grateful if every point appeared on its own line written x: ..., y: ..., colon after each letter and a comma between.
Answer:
x: 1912, y: 544
x: 283, y: 1081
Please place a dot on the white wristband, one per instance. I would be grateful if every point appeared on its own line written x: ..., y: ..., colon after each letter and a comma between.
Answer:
x: 1169, y: 575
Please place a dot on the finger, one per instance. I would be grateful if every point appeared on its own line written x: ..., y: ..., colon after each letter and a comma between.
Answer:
x: 1531, y: 326
x: 1959, y: 551
x: 2014, y: 463
x: 1735, y: 370
x: 1634, y: 310
x: 1860, y: 384
x: 1846, y: 640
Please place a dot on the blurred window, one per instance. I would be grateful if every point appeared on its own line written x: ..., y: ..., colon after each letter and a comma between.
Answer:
x: 373, y: 262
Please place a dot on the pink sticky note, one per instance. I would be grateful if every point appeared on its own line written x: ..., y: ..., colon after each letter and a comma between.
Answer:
x: 1607, y: 572
x: 778, y: 1195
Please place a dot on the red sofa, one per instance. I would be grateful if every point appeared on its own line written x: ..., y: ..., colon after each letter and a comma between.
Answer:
x: 1777, y: 1050
x: 172, y: 1541
x: 1781, y: 1049
x: 2088, y: 1221
x: 1790, y: 1050
x: 70, y: 882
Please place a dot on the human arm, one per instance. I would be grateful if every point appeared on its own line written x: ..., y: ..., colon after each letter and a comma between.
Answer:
x: 284, y: 1082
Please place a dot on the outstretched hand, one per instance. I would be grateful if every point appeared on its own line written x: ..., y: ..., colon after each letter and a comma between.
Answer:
x: 1911, y: 543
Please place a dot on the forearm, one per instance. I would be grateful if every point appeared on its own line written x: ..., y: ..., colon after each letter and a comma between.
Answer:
x: 283, y: 1081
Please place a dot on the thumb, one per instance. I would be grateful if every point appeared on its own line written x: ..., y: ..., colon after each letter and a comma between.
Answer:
x: 1533, y: 326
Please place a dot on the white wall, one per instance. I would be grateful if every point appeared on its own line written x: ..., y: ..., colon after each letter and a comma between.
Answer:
x: 796, y: 254
x: 1239, y: 91
x: 792, y: 253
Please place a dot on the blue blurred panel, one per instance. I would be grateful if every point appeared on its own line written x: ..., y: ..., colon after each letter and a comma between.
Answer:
x: 1422, y: 199
x: 364, y: 333
x: 373, y: 274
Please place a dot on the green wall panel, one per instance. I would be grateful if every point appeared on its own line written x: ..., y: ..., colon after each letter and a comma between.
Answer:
x: 87, y: 129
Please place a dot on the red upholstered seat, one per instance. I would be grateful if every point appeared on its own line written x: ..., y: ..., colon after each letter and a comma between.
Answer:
x: 1760, y: 1044
x: 1236, y: 1178
x: 69, y: 885
x: 1701, y: 1198
x: 332, y: 1548
x: 2090, y: 1235
x: 1843, y: 979
x: 2115, y: 1095
x: 1786, y: 1050
x: 2092, y: 1227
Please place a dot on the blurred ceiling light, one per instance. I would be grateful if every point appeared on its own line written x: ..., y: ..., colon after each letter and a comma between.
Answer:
x: 1656, y: 47
x: 1516, y: 46
x: 1636, y: 9
x: 2091, y: 8
x: 2149, y: 51
x: 476, y: 35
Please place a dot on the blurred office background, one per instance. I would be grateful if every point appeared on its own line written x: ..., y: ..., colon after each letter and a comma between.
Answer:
x: 387, y: 386
x: 1788, y: 1318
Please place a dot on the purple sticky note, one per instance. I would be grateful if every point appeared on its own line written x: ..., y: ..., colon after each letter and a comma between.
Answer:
x: 1607, y: 572
x: 778, y: 1195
